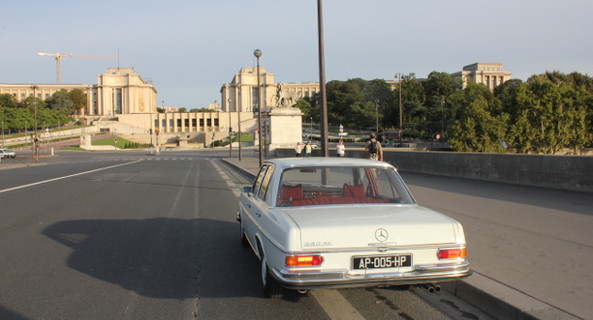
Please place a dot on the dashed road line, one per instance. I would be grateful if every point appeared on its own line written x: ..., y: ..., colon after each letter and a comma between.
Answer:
x: 234, y: 187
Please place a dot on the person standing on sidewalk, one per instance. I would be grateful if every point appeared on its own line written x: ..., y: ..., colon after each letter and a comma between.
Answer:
x: 298, y: 149
x: 308, y: 149
x: 341, y: 149
x: 373, y: 148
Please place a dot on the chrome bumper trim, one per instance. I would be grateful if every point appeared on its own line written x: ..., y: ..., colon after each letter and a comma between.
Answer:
x: 342, y: 278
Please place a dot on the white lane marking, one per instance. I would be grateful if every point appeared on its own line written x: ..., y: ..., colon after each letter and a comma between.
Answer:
x: 66, y: 177
x: 226, y: 179
x: 335, y: 305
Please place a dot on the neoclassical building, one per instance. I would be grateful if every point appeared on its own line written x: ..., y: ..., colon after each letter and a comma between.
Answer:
x: 241, y: 94
x: 490, y: 74
x: 122, y: 91
x: 118, y: 91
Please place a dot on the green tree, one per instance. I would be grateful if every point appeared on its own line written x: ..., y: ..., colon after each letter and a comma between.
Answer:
x: 7, y: 101
x: 79, y: 100
x: 547, y: 108
x: 308, y: 108
x: 481, y: 127
x: 379, y: 91
x: 578, y: 134
x: 521, y: 132
x: 18, y: 119
x: 413, y: 104
x: 437, y: 89
x: 60, y: 100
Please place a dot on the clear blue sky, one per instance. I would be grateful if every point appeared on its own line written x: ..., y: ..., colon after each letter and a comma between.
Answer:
x: 189, y: 49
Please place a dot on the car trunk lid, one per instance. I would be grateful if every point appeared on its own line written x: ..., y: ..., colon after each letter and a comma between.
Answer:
x: 363, y: 226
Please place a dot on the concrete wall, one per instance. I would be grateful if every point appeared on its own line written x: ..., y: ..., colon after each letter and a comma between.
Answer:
x: 51, y: 136
x: 558, y: 172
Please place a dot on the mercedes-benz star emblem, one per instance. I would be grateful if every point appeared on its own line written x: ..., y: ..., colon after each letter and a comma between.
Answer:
x: 381, y: 235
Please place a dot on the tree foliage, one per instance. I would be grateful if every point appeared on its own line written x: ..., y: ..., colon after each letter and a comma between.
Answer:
x: 547, y: 113
x: 61, y: 101
x: 480, y: 127
x: 79, y: 100
x: 22, y: 116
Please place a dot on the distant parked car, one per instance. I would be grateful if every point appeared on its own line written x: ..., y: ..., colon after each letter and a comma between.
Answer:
x: 7, y: 153
x: 345, y: 222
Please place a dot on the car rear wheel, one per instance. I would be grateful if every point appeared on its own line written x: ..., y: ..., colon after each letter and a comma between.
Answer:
x: 271, y: 287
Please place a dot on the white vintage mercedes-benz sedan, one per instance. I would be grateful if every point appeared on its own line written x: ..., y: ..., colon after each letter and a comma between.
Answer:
x: 344, y: 222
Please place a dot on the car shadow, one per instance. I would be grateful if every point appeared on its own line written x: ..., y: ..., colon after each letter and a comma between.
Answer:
x: 6, y: 314
x: 163, y: 257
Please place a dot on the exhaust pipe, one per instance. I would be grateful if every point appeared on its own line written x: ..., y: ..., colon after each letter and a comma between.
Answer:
x: 432, y: 288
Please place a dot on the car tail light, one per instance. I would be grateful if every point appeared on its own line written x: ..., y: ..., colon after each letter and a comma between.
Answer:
x: 456, y: 253
x: 303, y: 261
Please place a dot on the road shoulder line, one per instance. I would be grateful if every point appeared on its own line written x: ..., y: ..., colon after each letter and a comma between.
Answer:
x: 65, y: 177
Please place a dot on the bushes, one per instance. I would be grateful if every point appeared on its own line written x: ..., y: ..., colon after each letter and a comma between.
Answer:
x: 136, y: 145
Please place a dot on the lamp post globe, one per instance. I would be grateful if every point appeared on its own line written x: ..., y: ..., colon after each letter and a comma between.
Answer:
x: 257, y: 53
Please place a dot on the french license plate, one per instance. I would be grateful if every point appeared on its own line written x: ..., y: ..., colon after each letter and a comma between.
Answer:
x: 376, y: 262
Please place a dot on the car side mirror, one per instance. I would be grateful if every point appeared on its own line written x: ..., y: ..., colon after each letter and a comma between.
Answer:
x: 248, y: 189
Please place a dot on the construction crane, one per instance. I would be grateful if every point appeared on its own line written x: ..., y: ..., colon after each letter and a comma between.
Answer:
x: 59, y: 57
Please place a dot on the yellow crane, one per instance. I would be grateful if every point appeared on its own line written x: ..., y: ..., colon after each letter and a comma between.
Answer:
x: 59, y: 57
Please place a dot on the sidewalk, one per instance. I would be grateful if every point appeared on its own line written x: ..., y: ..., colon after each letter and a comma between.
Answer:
x: 497, y: 299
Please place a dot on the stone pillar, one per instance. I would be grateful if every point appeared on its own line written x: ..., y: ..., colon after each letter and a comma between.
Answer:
x: 286, y: 128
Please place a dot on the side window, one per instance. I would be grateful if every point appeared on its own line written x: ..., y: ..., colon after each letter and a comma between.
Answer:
x: 265, y: 183
x: 259, y: 179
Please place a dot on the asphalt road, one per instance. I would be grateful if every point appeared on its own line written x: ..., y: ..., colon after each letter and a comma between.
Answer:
x: 535, y: 240
x: 134, y: 236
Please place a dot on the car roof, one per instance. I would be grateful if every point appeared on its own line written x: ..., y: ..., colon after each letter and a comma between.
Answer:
x: 326, y: 162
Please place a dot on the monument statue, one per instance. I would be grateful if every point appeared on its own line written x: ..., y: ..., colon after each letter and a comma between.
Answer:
x: 285, y: 99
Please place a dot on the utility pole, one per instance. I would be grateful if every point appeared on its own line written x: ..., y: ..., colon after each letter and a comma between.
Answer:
x: 322, y: 91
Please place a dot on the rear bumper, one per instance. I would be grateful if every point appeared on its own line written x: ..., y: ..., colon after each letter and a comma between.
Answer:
x: 343, y: 279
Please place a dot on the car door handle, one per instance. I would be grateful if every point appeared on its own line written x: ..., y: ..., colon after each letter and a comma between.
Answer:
x: 258, y: 214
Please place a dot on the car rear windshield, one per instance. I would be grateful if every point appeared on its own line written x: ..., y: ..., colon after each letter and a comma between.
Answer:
x: 341, y: 185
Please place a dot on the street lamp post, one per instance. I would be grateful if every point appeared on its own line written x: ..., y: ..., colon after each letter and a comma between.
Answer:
x: 257, y: 53
x: 377, y: 116
x: 36, y: 139
x: 230, y: 130
x: 401, y: 125
x: 239, y: 127
x: 322, y: 90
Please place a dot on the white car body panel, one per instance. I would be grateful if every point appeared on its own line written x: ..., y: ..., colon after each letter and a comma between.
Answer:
x: 394, y: 229
x: 346, y: 227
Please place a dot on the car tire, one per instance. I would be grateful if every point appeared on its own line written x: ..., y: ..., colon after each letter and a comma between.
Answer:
x: 272, y: 289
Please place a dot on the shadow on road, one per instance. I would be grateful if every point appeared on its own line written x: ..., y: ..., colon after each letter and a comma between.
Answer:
x: 6, y: 314
x: 162, y: 257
